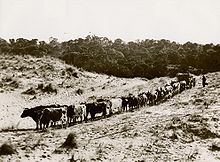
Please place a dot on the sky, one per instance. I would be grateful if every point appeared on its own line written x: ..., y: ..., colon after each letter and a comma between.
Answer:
x: 176, y: 20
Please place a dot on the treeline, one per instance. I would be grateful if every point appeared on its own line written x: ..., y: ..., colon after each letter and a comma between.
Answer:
x: 146, y: 58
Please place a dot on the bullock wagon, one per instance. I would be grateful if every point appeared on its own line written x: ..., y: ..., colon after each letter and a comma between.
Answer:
x: 183, y: 77
x: 187, y: 77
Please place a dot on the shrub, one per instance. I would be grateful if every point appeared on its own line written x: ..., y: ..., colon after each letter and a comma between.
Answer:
x: 30, y: 91
x: 70, y: 142
x: 70, y: 70
x: 63, y: 73
x: 215, y: 146
x: 7, y: 79
x: 79, y: 91
x: 40, y: 86
x: 76, y: 160
x: 49, y: 89
x: 14, y: 84
x: 75, y: 75
x: 7, y: 149
x: 1, y: 84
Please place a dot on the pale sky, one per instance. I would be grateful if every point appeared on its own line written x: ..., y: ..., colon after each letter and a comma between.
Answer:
x: 176, y: 20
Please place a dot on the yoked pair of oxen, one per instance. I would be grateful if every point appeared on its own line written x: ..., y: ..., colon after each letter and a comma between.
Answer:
x: 70, y: 114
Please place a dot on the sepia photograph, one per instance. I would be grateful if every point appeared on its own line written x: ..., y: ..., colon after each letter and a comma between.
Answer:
x: 109, y: 81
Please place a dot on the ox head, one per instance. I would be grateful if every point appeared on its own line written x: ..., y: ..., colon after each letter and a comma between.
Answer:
x: 25, y: 113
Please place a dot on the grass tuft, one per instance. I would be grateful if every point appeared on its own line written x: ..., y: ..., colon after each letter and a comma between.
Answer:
x: 7, y: 149
x: 70, y: 142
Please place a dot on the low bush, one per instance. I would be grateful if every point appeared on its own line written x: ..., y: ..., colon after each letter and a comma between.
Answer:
x: 79, y: 91
x: 7, y: 149
x: 70, y: 142
x: 49, y: 89
x: 29, y: 91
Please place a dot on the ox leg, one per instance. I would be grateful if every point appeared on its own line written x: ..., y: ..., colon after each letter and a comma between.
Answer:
x: 61, y: 125
x: 37, y: 125
x: 52, y: 124
x: 104, y: 113
x: 40, y: 125
x: 127, y: 107
x: 47, y: 126
x: 75, y: 119
x: 68, y: 121
x: 67, y: 124
x: 92, y: 116
x: 131, y: 108
x: 110, y: 112
x: 86, y: 117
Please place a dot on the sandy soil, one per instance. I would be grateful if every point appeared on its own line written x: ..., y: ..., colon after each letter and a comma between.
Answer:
x: 180, y: 129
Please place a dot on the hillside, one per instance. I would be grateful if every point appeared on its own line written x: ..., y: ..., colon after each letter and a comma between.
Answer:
x: 180, y: 129
x: 24, y: 74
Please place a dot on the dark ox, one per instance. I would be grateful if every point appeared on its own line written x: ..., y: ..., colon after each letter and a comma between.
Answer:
x: 152, y: 98
x: 96, y: 107
x: 53, y: 115
x: 125, y: 103
x: 34, y: 113
x: 37, y: 112
x: 132, y: 102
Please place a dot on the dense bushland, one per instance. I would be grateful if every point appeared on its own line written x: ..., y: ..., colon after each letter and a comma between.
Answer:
x: 145, y: 58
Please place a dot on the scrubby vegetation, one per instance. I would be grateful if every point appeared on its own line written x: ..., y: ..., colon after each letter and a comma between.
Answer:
x: 70, y: 142
x: 142, y: 58
x: 7, y: 149
x: 9, y: 82
x: 41, y: 88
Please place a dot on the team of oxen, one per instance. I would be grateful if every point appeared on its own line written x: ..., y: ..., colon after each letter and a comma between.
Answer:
x: 66, y: 115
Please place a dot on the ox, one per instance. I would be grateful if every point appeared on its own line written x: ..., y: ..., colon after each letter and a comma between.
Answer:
x: 125, y: 103
x: 96, y: 107
x: 152, y: 97
x: 182, y: 85
x: 76, y: 111
x: 34, y: 113
x: 133, y: 102
x: 159, y: 94
x: 53, y: 115
x: 176, y: 87
x: 142, y: 99
x: 168, y: 91
x: 116, y: 105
